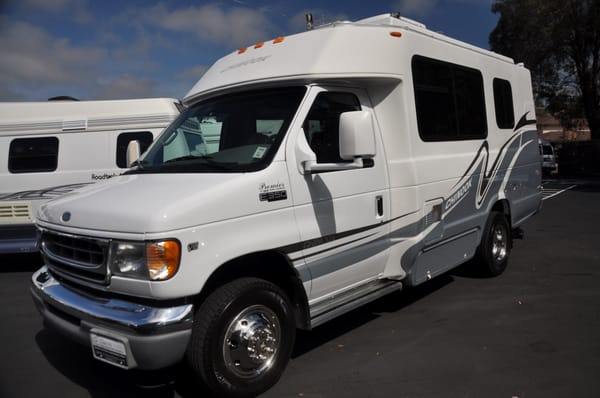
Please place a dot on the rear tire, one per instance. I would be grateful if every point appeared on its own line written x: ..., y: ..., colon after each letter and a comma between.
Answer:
x: 242, y: 338
x: 496, y: 243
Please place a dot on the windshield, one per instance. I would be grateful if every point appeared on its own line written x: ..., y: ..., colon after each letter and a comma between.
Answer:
x: 233, y: 133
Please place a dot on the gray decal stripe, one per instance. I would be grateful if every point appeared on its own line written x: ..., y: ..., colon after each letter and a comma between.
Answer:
x: 332, y: 248
x: 45, y: 193
x: 522, y: 122
x: 485, y: 146
x: 308, y: 244
x: 346, y: 258
x: 441, y: 243
x: 410, y: 230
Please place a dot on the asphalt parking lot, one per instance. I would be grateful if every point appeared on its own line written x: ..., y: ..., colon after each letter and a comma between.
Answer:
x: 532, y: 332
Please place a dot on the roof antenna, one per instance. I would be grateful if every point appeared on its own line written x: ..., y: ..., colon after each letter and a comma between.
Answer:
x: 309, y: 21
x: 395, y: 15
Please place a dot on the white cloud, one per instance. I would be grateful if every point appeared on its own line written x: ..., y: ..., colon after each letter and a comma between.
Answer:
x: 78, y: 8
x: 43, y: 5
x: 32, y: 59
x: 125, y: 86
x: 236, y: 27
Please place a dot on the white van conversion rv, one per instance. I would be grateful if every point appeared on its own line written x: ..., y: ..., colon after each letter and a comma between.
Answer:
x: 50, y: 148
x: 352, y: 160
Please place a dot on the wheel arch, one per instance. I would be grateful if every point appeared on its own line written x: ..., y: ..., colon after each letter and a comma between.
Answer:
x: 271, y: 266
x: 502, y: 206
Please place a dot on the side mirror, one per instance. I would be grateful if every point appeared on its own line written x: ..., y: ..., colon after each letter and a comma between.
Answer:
x: 357, y: 135
x: 133, y: 152
x: 356, y: 140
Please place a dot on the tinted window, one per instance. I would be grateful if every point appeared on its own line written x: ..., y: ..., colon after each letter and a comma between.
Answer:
x: 31, y: 155
x: 143, y: 137
x: 449, y: 101
x: 503, y: 103
x: 321, y: 126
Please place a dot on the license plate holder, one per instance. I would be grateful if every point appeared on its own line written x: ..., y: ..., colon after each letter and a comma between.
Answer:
x: 109, y: 350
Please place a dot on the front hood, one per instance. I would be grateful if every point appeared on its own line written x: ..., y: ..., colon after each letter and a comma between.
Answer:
x: 148, y: 203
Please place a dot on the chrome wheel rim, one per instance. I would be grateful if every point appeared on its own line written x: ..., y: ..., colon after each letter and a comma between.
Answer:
x: 499, y: 243
x: 251, y: 342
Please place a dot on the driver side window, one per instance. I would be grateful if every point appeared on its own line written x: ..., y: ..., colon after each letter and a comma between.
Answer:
x: 321, y: 126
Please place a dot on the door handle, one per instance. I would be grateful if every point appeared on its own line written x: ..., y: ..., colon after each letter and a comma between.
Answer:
x: 379, y: 205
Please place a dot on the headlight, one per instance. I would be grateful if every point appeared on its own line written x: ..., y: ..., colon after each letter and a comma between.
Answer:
x: 157, y: 261
x: 129, y: 259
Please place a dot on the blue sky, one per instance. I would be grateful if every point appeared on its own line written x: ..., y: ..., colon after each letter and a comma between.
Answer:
x: 107, y: 49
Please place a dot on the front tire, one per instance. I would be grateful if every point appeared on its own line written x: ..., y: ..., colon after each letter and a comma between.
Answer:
x: 242, y: 338
x: 496, y: 244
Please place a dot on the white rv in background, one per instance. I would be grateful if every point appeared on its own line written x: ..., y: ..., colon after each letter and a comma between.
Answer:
x: 307, y: 175
x: 50, y: 148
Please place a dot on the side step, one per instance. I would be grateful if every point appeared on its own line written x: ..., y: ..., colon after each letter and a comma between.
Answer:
x: 353, y: 298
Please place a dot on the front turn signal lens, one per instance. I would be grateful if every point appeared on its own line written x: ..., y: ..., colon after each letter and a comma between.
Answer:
x: 162, y: 259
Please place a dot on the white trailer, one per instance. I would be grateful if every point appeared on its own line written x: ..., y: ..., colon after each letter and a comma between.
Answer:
x: 50, y: 148
x: 352, y: 160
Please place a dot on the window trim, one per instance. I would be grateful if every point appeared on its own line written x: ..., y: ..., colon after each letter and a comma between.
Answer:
x: 505, y: 107
x: 454, y: 102
x: 310, y: 110
x: 54, y: 141
x: 123, y: 156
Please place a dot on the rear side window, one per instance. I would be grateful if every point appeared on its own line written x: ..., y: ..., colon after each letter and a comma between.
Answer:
x: 145, y: 138
x: 503, y: 103
x: 449, y: 100
x: 33, y: 155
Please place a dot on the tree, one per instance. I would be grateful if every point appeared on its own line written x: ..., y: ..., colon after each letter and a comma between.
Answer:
x: 559, y: 41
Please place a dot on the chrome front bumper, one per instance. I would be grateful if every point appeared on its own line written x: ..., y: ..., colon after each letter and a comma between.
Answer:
x: 154, y: 337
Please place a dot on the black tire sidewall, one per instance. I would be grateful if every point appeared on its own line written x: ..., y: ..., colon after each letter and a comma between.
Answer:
x: 493, y: 267
x: 216, y: 374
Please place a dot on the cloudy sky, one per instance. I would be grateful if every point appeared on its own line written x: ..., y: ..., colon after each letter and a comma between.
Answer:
x: 150, y: 48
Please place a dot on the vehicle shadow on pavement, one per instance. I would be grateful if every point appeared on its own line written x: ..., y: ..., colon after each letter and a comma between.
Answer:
x: 75, y: 362
x: 472, y: 269
x: 22, y: 262
x: 588, y: 188
x: 393, y: 302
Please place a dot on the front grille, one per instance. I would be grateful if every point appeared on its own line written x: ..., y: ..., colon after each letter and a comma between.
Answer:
x: 76, y: 257
x: 84, y: 251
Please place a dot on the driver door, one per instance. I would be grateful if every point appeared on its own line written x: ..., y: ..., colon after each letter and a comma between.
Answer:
x: 341, y: 214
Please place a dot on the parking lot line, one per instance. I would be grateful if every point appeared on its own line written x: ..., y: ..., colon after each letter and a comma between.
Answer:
x: 550, y: 193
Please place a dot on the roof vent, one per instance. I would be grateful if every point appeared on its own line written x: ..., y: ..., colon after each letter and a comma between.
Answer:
x: 70, y: 125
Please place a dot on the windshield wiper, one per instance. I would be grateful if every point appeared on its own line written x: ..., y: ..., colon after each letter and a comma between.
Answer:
x: 186, y: 157
x: 204, y: 160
